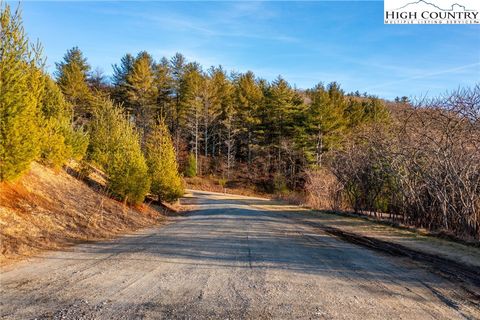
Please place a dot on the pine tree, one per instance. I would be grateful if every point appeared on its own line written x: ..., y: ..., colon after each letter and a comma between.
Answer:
x: 364, y: 110
x: 119, y: 79
x: 20, y: 87
x: 115, y: 146
x: 72, y: 77
x: 60, y: 141
x: 142, y: 91
x: 249, y: 98
x: 279, y: 121
x: 121, y: 71
x: 191, y: 166
x: 278, y: 117
x: 217, y: 98
x: 325, y: 120
x: 177, y: 67
x: 54, y: 112
x: 164, y: 85
x: 191, y: 89
x: 162, y: 164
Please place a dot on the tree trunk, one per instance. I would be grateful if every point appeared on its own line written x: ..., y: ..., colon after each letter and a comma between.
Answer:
x: 319, y: 148
x: 206, y: 129
x: 249, y: 142
x: 196, y: 140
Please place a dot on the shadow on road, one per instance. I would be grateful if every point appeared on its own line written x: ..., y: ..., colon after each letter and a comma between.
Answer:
x: 232, y: 234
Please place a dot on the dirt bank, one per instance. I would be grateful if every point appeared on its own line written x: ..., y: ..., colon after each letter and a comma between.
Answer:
x: 49, y: 210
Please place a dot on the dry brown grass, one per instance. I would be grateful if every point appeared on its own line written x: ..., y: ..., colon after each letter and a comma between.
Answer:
x: 49, y: 210
x: 293, y: 197
x: 212, y: 184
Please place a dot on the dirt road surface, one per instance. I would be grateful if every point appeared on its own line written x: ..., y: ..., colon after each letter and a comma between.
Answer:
x: 228, y: 259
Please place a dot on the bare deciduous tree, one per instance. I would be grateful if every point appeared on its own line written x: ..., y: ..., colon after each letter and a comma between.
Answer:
x: 425, y: 167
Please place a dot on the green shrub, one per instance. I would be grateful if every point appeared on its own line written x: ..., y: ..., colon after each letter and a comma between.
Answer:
x: 162, y: 164
x: 280, y: 184
x: 54, y: 151
x: 127, y: 175
x: 76, y: 139
x: 114, y: 145
x: 191, y: 167
x: 61, y: 142
x: 222, y: 182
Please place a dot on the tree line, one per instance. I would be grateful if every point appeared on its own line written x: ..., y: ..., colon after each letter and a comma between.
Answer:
x: 155, y: 120
x: 227, y: 124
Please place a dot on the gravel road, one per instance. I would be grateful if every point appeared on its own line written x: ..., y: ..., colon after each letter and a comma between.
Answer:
x: 228, y: 259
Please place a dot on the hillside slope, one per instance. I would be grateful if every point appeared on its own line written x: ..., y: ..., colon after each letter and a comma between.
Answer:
x: 47, y: 210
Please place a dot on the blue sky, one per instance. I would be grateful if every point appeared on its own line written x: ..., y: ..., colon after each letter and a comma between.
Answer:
x: 305, y: 42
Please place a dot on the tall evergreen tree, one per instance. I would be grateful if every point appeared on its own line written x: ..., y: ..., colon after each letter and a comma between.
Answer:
x: 119, y: 80
x: 324, y: 120
x: 164, y: 84
x: 217, y: 99
x: 281, y: 105
x: 142, y: 91
x: 121, y: 71
x: 72, y: 76
x: 20, y: 87
x: 249, y: 98
x: 177, y: 67
x: 162, y: 164
x: 191, y: 86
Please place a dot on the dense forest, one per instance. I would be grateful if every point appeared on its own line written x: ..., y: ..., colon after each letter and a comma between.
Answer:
x: 154, y: 121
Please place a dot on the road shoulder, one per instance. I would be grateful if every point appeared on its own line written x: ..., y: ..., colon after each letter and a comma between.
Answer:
x: 450, y: 259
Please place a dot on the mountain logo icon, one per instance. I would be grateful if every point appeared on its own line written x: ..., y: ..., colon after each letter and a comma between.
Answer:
x: 453, y: 7
x: 432, y: 11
